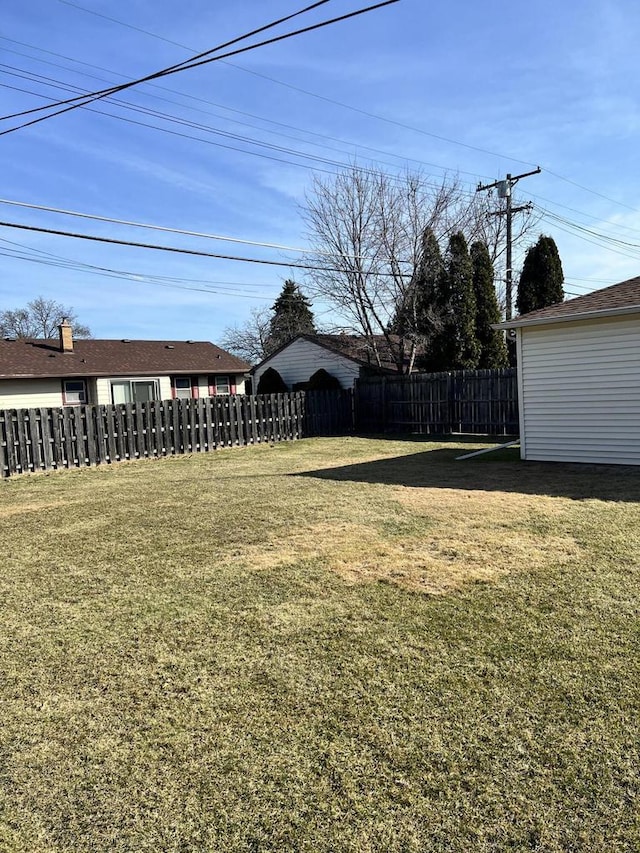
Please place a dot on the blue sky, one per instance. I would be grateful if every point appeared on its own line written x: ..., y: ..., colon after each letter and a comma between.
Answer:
x: 476, y: 88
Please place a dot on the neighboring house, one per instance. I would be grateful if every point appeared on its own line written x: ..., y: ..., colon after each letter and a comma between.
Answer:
x: 68, y: 372
x: 345, y: 357
x: 579, y: 378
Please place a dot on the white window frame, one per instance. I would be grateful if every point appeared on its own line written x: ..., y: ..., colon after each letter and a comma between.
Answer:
x: 188, y: 388
x: 227, y: 384
x: 67, y: 395
x: 131, y: 381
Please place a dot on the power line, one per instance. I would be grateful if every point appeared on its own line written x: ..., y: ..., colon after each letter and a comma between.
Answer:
x: 185, y: 122
x: 357, y: 109
x: 74, y: 103
x: 333, y: 101
x: 600, y: 244
x: 138, y: 279
x: 324, y: 136
x: 591, y: 232
x: 337, y: 163
x: 170, y: 230
x: 101, y: 93
x: 75, y: 263
x: 593, y: 192
x: 175, y: 249
x: 581, y: 212
x: 49, y: 81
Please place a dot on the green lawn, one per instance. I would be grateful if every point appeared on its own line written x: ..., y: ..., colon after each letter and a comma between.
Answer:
x: 329, y: 645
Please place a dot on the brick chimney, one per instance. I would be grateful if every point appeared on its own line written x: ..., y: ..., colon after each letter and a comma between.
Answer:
x: 66, y: 336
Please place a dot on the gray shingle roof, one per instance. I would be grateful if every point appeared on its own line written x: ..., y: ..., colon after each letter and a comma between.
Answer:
x: 608, y: 300
x: 43, y: 358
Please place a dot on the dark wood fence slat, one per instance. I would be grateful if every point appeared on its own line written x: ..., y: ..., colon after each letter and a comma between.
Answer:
x: 209, y: 429
x: 139, y: 430
x: 10, y: 431
x: 78, y: 437
x: 241, y: 422
x: 193, y: 426
x: 231, y: 412
x: 163, y: 439
x: 102, y: 450
x: 152, y: 427
x: 124, y: 421
x: 218, y: 415
x: 183, y: 408
x: 4, y: 449
x: 22, y: 444
x: 91, y: 427
x: 34, y: 439
x: 202, y: 439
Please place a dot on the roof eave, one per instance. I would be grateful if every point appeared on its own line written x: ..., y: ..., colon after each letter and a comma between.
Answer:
x: 97, y: 374
x: 565, y: 318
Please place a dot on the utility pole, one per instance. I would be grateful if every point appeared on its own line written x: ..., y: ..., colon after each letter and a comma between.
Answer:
x: 504, y: 191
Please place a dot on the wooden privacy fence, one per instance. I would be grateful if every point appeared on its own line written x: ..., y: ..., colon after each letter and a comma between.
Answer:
x: 480, y: 402
x: 73, y: 437
x: 469, y: 401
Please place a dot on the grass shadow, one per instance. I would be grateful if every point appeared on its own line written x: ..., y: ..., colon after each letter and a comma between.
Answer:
x: 503, y: 471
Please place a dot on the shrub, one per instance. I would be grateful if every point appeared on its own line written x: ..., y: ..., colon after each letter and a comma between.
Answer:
x: 271, y: 383
x: 323, y: 381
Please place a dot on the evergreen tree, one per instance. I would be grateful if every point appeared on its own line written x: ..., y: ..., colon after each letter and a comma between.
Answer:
x: 416, y: 315
x: 455, y: 346
x: 493, y: 350
x: 542, y: 277
x: 428, y: 284
x: 417, y: 318
x: 292, y: 316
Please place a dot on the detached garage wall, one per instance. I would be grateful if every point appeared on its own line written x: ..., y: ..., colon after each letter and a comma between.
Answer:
x: 300, y: 360
x: 579, y: 389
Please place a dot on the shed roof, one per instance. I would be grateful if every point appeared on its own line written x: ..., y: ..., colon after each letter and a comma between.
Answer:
x: 622, y: 298
x: 28, y: 358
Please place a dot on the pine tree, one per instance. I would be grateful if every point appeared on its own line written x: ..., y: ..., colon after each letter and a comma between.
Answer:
x: 542, y: 277
x: 428, y: 285
x: 456, y: 346
x: 493, y: 350
x: 292, y: 316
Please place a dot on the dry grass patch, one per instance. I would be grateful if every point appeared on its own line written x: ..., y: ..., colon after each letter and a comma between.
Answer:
x: 227, y: 653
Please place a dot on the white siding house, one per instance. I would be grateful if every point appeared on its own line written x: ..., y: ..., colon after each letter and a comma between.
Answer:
x: 579, y: 378
x: 30, y: 393
x: 297, y: 362
x: 345, y: 357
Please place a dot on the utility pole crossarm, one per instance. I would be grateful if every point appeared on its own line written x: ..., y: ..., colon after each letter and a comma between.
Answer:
x: 505, y: 188
x: 511, y: 179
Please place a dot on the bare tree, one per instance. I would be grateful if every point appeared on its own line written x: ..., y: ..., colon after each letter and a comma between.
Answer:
x: 40, y: 319
x: 250, y: 339
x: 366, y: 229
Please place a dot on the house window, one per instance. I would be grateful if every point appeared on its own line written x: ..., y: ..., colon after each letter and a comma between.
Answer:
x: 74, y: 392
x: 182, y: 387
x: 222, y: 385
x: 134, y: 390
